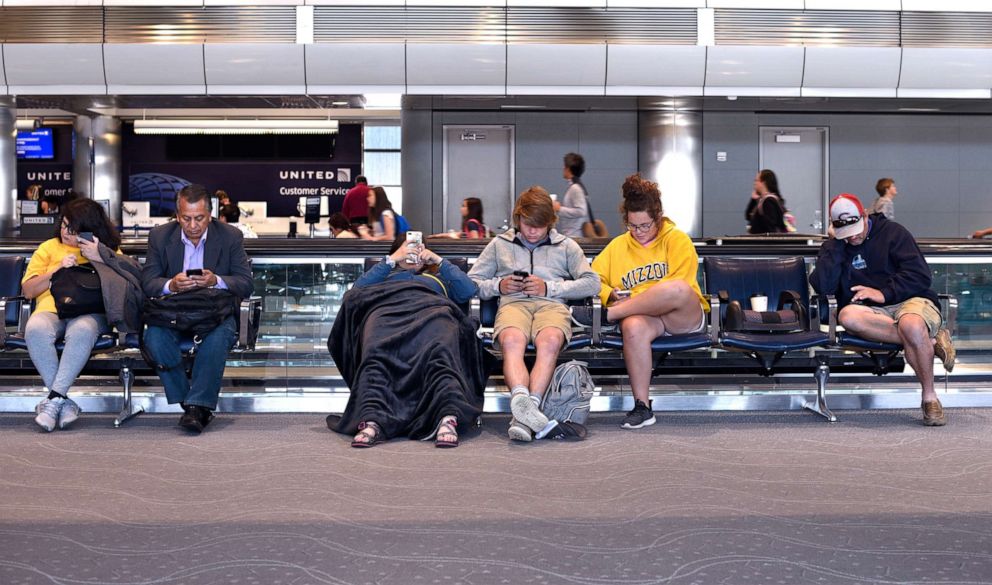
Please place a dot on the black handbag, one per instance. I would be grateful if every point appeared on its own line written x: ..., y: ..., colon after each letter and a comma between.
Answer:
x: 77, y: 292
x: 198, y: 311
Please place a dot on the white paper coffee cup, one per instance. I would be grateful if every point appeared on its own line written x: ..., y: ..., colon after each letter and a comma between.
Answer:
x: 759, y: 302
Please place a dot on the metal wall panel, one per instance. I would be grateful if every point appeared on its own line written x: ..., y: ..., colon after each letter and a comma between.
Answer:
x: 737, y: 70
x: 263, y: 69
x: 556, y: 69
x: 807, y: 27
x: 67, y: 24
x: 655, y: 70
x: 854, y: 68
x: 356, y: 68
x: 464, y: 69
x: 947, y: 29
x: 210, y: 24
x: 54, y: 69
x: 965, y: 69
x: 154, y: 69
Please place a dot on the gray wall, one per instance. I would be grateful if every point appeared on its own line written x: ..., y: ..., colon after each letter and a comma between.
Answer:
x: 941, y: 165
x: 607, y: 140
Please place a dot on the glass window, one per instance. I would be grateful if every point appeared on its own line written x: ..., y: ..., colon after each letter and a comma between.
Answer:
x: 382, y: 137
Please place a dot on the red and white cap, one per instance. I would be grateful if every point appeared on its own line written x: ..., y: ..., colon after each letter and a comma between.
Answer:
x: 847, y: 216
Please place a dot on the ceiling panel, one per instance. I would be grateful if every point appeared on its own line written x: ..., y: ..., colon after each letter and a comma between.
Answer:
x: 165, y: 69
x: 556, y: 69
x: 356, y: 68
x: 655, y: 70
x: 244, y: 68
x: 746, y: 70
x: 54, y: 68
x: 464, y: 69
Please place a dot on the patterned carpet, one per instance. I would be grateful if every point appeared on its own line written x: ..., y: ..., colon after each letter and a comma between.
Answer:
x: 726, y: 498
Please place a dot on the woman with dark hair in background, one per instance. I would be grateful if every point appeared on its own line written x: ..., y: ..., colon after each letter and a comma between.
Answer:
x: 85, y: 235
x: 340, y: 226
x: 766, y: 209
x: 472, y: 226
x: 382, y: 218
x: 573, y: 209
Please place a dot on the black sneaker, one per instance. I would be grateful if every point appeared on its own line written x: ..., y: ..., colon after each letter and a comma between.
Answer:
x: 567, y: 431
x: 640, y: 417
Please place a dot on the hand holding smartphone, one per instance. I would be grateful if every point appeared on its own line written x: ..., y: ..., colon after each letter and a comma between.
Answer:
x: 88, y: 236
x: 414, y: 240
x: 521, y: 274
x: 194, y: 272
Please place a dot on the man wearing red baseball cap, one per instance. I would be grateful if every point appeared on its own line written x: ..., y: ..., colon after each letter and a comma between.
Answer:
x: 882, y: 284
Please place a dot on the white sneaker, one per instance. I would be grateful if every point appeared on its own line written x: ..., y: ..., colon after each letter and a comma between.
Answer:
x: 527, y: 413
x: 519, y: 432
x: 48, y: 413
x: 68, y: 413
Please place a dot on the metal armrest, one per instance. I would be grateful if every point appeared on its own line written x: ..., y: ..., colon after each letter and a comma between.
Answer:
x: 832, y: 319
x: 597, y: 315
x: 23, y: 312
x: 475, y: 308
x: 715, y: 319
x: 949, y: 312
x: 814, y: 313
x: 249, y: 316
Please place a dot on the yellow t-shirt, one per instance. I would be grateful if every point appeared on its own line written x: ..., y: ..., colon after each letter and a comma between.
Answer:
x: 46, y: 258
x: 626, y: 264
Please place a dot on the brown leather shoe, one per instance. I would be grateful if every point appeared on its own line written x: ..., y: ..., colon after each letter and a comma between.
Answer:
x: 933, y: 414
x: 944, y: 349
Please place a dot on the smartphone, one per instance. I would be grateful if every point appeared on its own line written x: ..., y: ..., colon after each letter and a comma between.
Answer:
x: 88, y: 236
x: 521, y: 273
x: 623, y: 294
x: 413, y: 240
x: 194, y: 272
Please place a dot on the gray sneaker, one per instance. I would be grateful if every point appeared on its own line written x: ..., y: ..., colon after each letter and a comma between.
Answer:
x: 519, y: 432
x: 48, y: 413
x: 68, y: 413
x: 527, y: 413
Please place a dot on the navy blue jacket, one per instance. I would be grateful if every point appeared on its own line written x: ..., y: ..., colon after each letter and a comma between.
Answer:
x: 889, y: 259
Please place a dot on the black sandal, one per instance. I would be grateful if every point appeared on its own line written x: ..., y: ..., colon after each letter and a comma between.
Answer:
x: 371, y: 432
x: 447, y: 428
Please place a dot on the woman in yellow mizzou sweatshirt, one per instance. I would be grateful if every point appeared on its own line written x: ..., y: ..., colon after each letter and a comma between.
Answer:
x: 655, y: 263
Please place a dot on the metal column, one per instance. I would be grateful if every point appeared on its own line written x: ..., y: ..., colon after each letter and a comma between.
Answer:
x: 8, y: 165
x: 96, y: 170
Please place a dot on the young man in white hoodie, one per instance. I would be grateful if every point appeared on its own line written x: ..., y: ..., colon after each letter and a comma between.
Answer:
x: 534, y: 270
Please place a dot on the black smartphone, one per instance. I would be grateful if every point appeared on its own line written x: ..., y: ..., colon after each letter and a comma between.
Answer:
x: 194, y: 272
x: 521, y: 273
x: 88, y: 236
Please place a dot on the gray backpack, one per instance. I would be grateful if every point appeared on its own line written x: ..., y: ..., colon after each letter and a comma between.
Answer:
x: 569, y: 394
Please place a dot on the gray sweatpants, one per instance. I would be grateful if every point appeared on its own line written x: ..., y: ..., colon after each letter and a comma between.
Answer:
x: 80, y: 334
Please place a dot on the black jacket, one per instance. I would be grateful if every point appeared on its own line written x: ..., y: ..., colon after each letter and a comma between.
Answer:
x: 889, y: 259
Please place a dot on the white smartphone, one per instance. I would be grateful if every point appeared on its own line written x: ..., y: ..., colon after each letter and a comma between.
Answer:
x: 623, y: 294
x: 413, y: 240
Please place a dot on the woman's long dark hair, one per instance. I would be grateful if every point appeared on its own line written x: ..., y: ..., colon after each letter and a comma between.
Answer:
x: 768, y: 177
x: 381, y: 204
x: 86, y: 215
x: 474, y: 205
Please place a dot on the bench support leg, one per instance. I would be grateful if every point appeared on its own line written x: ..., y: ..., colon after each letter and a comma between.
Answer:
x: 820, y: 406
x: 129, y: 410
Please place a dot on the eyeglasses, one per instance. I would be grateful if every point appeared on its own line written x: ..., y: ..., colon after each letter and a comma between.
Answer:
x: 68, y: 230
x: 845, y: 221
x: 640, y: 227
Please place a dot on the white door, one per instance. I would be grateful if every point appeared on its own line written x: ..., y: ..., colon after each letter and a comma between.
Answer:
x: 478, y: 162
x: 799, y: 158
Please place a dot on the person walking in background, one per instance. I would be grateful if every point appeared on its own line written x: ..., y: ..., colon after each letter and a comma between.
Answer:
x: 86, y: 235
x: 222, y: 198
x: 886, y: 189
x: 766, y: 210
x: 882, y: 283
x: 649, y: 286
x: 534, y: 270
x: 356, y: 206
x: 573, y: 209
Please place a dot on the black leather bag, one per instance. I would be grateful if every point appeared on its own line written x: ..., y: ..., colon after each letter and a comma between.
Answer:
x: 77, y: 292
x: 198, y: 311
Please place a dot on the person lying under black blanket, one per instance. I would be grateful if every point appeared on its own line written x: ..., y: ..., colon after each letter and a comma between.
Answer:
x: 408, y: 353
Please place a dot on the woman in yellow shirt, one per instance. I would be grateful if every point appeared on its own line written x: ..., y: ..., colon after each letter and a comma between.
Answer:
x: 45, y: 328
x: 649, y: 286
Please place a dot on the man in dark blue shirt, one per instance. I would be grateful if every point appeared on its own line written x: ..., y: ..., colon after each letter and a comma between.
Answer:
x: 882, y: 283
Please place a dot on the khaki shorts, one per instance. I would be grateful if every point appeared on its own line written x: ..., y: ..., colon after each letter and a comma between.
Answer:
x: 531, y: 316
x: 914, y: 306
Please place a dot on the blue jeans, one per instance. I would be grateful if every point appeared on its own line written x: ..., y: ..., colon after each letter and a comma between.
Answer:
x: 162, y: 345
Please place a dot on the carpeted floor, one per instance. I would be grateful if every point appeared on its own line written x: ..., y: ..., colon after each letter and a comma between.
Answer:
x: 725, y: 498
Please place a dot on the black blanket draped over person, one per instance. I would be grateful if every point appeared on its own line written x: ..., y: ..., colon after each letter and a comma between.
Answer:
x: 410, y: 356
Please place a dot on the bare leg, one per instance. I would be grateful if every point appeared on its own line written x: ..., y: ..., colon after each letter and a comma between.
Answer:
x: 919, y: 352
x: 548, y: 344
x: 866, y: 323
x: 672, y: 300
x: 638, y: 333
x: 513, y: 344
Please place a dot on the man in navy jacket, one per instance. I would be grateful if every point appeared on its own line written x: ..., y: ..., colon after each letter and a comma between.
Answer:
x: 882, y: 284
